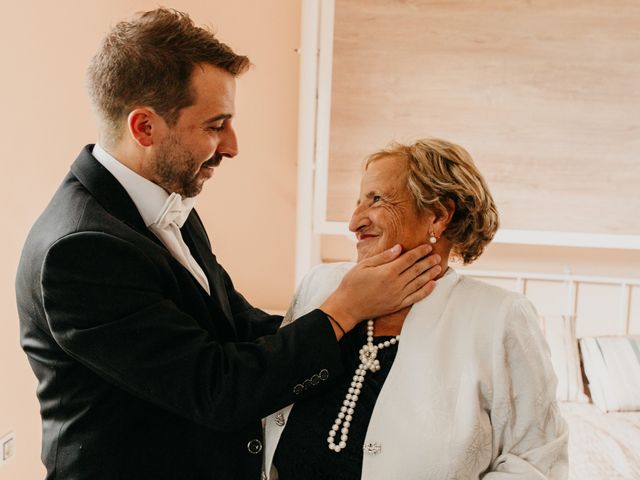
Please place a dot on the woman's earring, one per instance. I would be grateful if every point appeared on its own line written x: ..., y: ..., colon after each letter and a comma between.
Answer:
x: 432, y: 237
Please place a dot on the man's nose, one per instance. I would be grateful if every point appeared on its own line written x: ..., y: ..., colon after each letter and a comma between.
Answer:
x: 228, y: 146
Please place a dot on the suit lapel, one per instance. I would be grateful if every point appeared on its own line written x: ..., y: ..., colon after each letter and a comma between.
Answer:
x: 195, y: 237
x: 109, y: 193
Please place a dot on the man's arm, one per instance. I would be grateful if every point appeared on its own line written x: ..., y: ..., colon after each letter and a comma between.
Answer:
x: 107, y: 307
x: 379, y: 285
x: 250, y: 322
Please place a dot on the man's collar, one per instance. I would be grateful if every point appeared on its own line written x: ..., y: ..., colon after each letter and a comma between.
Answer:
x: 149, y: 198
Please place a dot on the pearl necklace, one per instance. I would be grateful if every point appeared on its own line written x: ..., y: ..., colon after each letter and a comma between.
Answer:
x: 368, y: 362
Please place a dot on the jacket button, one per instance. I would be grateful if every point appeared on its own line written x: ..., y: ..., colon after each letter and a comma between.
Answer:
x: 307, y: 384
x: 324, y: 374
x: 315, y: 380
x: 254, y: 446
x: 298, y: 389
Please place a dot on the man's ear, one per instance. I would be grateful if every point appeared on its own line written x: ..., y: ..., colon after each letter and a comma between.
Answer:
x: 143, y: 124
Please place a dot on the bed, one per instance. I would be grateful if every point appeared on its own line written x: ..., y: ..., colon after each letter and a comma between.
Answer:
x: 602, y: 445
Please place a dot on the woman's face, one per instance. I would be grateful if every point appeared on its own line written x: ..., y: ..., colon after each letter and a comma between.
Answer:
x: 386, y: 212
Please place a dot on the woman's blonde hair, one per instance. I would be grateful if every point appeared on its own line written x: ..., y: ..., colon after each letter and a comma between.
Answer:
x: 437, y: 171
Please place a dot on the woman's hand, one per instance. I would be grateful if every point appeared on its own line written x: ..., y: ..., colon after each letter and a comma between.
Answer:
x: 382, y: 284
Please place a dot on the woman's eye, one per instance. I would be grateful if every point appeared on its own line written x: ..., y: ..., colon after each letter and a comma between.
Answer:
x: 217, y: 128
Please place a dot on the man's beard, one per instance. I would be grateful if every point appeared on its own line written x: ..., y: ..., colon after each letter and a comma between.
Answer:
x: 176, y: 169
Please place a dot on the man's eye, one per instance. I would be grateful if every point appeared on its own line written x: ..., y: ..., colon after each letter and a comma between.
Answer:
x: 376, y: 198
x: 217, y: 128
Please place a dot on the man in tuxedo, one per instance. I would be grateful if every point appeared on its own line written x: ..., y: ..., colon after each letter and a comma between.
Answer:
x: 150, y: 364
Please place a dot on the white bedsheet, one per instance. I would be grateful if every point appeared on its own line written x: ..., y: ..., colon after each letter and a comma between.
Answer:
x: 602, y: 445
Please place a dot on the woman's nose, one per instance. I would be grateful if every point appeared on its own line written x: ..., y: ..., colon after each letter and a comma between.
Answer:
x: 359, y: 219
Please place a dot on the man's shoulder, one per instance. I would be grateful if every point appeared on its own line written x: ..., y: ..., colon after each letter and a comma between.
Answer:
x: 72, y: 212
x: 65, y: 213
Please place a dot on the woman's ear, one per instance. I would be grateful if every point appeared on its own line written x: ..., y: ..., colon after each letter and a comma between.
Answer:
x: 443, y: 217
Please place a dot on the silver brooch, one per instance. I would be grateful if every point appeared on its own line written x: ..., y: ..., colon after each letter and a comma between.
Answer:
x: 280, y: 419
x: 371, y: 448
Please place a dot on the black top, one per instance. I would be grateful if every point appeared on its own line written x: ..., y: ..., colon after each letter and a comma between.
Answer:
x: 303, y: 451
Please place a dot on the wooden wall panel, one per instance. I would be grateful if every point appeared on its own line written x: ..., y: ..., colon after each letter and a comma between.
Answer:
x: 544, y: 94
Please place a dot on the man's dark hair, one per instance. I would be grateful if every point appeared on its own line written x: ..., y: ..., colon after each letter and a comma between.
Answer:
x: 148, y: 61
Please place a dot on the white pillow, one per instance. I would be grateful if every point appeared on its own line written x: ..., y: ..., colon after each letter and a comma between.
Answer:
x: 560, y: 332
x: 612, y: 365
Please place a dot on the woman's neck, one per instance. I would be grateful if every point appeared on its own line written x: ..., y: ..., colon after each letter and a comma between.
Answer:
x: 391, y: 325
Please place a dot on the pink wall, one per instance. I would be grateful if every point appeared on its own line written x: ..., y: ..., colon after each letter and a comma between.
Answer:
x: 249, y: 206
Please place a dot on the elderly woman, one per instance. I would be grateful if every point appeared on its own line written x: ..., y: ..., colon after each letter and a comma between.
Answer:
x: 459, y: 386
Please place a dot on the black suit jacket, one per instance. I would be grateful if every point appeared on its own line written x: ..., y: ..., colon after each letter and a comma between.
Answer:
x: 142, y: 374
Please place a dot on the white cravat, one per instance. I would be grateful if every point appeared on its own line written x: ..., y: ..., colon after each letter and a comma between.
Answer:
x: 167, y: 228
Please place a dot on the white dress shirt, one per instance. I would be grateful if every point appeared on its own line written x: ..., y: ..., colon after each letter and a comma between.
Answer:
x: 151, y: 201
